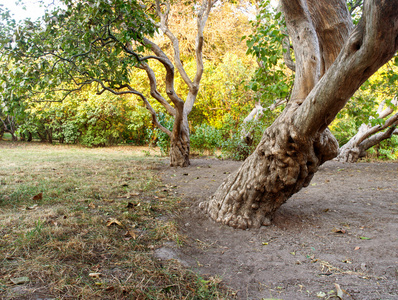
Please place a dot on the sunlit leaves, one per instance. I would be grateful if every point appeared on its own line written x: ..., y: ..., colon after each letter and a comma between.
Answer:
x: 79, y: 42
x: 272, y: 79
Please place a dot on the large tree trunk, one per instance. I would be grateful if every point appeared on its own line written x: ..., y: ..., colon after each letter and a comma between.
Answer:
x: 298, y: 142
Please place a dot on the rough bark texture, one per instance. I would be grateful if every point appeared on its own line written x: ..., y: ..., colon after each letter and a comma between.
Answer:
x: 179, y: 144
x: 282, y: 164
x: 298, y: 142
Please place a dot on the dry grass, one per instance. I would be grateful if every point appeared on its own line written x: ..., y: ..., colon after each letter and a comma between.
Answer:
x: 102, y: 211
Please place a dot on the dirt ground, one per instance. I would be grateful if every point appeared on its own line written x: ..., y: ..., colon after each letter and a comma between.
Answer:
x: 342, y: 229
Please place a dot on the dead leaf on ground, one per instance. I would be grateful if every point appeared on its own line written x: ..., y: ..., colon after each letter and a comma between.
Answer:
x: 95, y: 275
x: 113, y: 221
x: 132, y: 205
x: 338, y: 291
x: 357, y: 248
x: 20, y: 280
x: 39, y: 196
x: 131, y: 234
x: 129, y: 195
x: 91, y: 205
x: 34, y: 206
x: 339, y: 230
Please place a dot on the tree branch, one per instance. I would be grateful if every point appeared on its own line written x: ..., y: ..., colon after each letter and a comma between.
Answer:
x: 176, y: 46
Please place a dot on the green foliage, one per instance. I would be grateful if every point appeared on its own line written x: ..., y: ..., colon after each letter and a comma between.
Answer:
x: 234, y: 146
x: 162, y: 139
x: 386, y: 150
x: 363, y: 106
x: 88, y: 119
x: 80, y: 43
x: 272, y: 80
x: 205, y: 138
x: 223, y: 91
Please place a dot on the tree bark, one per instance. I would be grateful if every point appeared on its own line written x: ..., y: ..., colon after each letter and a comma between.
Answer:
x: 179, y: 146
x: 298, y: 142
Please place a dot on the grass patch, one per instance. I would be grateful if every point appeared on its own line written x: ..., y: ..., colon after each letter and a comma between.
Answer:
x: 83, y: 224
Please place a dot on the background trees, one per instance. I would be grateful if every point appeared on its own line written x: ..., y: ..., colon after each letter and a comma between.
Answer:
x: 244, y: 87
x: 100, y: 43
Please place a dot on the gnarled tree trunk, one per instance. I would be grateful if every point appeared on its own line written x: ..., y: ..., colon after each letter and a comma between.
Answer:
x: 331, y: 64
x: 179, y: 144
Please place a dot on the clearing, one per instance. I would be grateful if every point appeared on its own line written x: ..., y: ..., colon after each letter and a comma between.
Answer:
x: 342, y: 229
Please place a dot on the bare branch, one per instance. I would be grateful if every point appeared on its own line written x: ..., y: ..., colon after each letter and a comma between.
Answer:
x: 176, y: 46
x: 154, y: 90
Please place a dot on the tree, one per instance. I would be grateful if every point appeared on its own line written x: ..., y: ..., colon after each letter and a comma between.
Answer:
x: 102, y: 43
x: 333, y: 59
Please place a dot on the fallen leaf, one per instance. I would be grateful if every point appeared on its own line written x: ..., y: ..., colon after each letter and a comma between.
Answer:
x: 112, y: 221
x: 339, y: 291
x: 132, y: 205
x: 364, y: 238
x: 91, y: 205
x: 265, y: 243
x: 39, y: 196
x: 321, y: 295
x: 130, y: 233
x: 34, y: 206
x: 95, y: 275
x: 357, y: 248
x: 339, y: 230
x: 110, y: 288
x: 293, y: 253
x: 20, y: 280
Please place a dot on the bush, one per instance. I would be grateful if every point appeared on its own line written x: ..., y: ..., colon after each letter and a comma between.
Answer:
x: 204, y: 138
x: 161, y: 138
x: 234, y: 147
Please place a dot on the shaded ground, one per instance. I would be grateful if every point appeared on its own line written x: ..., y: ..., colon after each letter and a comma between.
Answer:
x: 342, y: 229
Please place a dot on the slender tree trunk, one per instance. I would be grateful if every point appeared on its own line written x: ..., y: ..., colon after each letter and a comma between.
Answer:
x: 298, y: 142
x: 2, y: 129
x: 179, y: 145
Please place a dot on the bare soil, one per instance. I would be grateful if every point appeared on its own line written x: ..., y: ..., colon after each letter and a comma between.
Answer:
x: 342, y: 229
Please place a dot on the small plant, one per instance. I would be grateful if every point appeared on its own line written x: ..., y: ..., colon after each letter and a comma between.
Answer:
x: 36, y: 230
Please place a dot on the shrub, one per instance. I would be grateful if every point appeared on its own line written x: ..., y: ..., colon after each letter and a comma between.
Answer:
x: 205, y: 137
